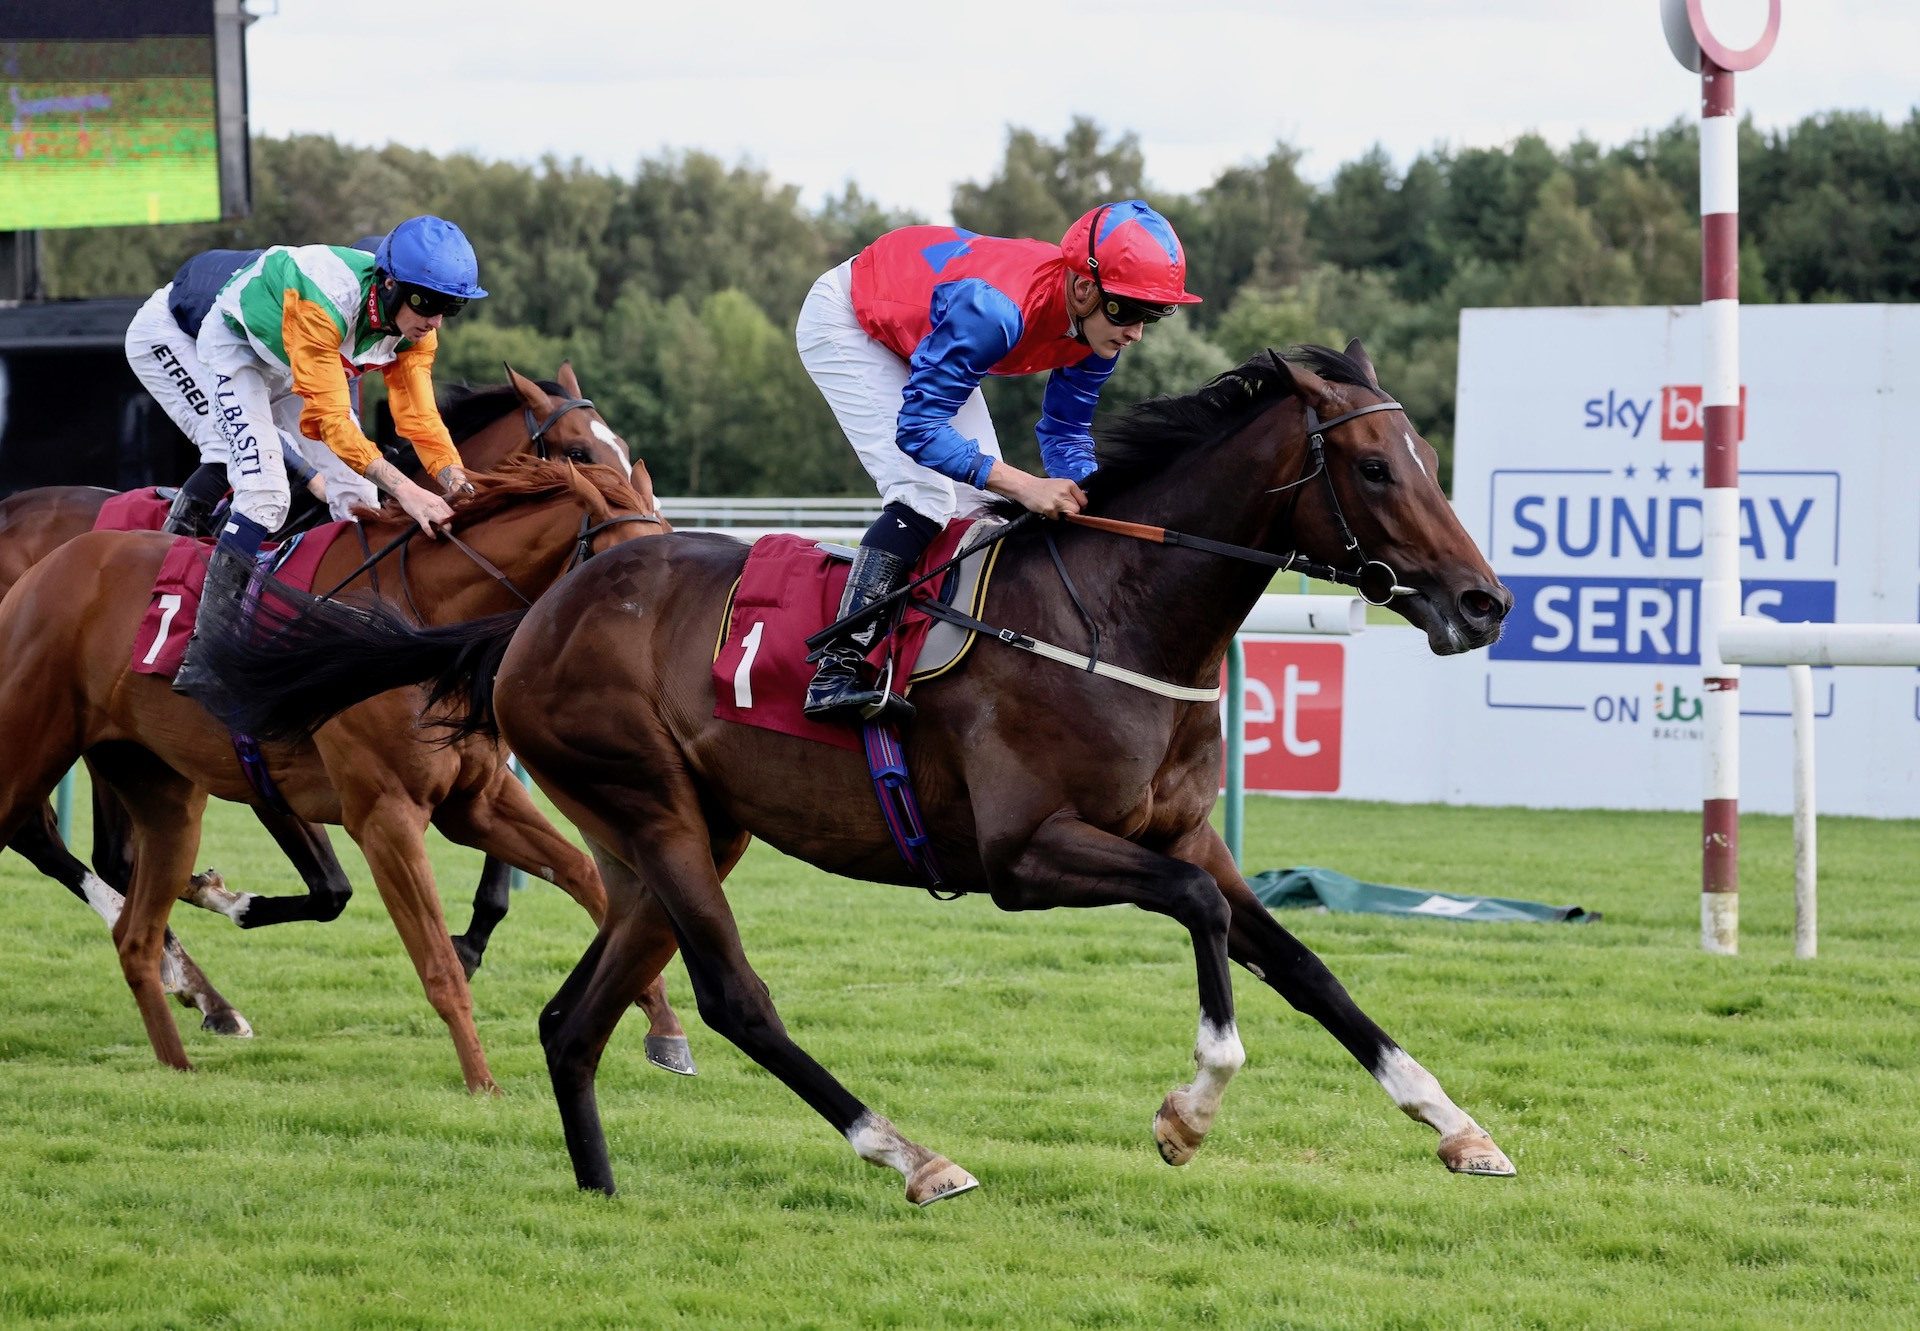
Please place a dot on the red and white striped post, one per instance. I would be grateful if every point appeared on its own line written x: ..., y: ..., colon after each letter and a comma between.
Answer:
x: 1696, y: 48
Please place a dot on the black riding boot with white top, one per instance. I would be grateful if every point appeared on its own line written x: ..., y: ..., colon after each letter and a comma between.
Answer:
x: 840, y: 691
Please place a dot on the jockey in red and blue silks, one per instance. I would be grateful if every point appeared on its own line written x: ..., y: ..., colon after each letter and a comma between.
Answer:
x: 899, y: 339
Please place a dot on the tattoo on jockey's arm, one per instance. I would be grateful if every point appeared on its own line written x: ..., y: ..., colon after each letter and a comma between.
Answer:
x: 385, y: 475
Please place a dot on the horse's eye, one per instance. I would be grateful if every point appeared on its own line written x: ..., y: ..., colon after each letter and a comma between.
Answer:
x: 578, y: 454
x: 1374, y: 469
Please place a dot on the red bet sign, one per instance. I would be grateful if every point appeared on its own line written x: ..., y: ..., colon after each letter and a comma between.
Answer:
x: 1294, y: 693
x: 1681, y: 419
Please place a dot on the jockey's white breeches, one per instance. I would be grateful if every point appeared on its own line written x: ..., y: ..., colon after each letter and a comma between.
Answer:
x: 863, y: 381
x: 166, y: 362
x: 258, y: 415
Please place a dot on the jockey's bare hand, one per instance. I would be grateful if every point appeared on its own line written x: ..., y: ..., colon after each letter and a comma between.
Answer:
x: 454, y: 483
x: 434, y: 514
x: 1049, y: 496
x: 317, y: 487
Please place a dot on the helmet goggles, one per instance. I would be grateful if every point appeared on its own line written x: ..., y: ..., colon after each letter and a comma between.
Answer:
x: 1124, y: 311
x: 426, y: 302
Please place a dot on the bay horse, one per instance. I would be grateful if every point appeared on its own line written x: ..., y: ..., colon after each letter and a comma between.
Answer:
x: 489, y: 425
x: 1042, y: 786
x: 70, y: 625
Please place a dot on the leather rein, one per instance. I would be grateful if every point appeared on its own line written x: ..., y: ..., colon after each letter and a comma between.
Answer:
x: 1376, y: 581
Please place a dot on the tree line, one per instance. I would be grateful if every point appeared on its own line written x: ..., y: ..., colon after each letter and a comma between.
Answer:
x: 674, y: 290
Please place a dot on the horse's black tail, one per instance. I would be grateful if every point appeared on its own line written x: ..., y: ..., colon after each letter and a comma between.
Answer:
x: 302, y: 660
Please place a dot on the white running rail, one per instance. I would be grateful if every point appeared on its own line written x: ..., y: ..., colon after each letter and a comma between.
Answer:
x: 1800, y: 647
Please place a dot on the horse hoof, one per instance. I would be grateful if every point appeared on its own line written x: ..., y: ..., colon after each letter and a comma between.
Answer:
x: 468, y: 954
x: 938, y: 1180
x: 1174, y: 1133
x: 208, y: 880
x: 229, y: 1023
x: 1473, y: 1152
x: 672, y: 1053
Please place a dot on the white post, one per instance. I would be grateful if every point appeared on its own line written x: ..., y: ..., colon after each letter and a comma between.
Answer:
x: 1806, y: 886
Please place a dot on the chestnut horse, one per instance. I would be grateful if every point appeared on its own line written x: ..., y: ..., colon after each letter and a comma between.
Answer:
x: 1042, y: 786
x: 489, y: 425
x: 70, y: 626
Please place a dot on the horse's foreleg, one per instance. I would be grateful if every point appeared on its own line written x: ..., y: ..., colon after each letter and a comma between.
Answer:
x: 1271, y: 954
x: 1069, y: 863
x: 165, y: 809
x: 39, y: 841
x: 389, y: 829
x: 503, y: 820
x: 311, y: 853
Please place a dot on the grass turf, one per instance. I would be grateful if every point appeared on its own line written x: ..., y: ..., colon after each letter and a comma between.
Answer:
x: 1701, y: 1141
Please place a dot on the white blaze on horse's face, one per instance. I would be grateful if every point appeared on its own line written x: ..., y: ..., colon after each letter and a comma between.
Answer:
x: 1413, y: 451
x: 605, y: 435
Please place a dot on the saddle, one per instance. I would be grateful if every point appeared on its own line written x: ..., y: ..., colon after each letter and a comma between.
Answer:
x: 790, y: 589
x: 161, y: 641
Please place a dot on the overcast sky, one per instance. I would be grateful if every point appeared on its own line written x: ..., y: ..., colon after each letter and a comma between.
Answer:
x: 908, y: 98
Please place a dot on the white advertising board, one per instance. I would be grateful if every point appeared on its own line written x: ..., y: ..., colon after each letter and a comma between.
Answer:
x: 1577, y: 468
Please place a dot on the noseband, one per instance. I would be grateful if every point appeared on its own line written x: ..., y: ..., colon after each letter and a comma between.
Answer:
x: 1376, y: 582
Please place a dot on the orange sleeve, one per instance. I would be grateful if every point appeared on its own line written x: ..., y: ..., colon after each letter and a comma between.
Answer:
x: 311, y: 336
x: 416, y: 417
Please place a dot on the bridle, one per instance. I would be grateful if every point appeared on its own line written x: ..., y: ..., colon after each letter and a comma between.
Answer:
x: 537, y: 433
x: 1376, y: 581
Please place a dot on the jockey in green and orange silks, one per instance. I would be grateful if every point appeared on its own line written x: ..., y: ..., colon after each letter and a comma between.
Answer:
x: 295, y: 325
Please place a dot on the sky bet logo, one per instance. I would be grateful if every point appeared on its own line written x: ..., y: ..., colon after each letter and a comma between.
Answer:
x: 1680, y: 414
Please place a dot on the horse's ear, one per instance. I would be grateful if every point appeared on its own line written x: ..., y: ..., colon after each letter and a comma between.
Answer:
x: 1355, y: 353
x: 1307, y: 385
x: 566, y: 379
x: 530, y: 393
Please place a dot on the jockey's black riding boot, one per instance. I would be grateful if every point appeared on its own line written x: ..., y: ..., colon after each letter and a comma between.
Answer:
x: 840, y: 691
x: 192, y: 511
x: 230, y: 569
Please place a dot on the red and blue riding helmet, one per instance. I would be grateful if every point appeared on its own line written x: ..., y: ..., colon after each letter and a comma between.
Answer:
x: 1132, y: 255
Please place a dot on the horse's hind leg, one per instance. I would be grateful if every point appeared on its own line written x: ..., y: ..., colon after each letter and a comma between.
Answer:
x: 633, y: 943
x: 306, y: 845
x: 491, y: 899
x: 39, y: 841
x: 502, y: 819
x: 1070, y: 863
x: 1275, y: 956
x: 668, y: 861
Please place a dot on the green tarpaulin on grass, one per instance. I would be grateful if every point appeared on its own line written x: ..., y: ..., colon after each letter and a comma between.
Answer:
x: 1325, y: 888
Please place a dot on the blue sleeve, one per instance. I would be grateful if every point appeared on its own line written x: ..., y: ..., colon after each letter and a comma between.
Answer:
x: 1065, y: 430
x: 974, y: 327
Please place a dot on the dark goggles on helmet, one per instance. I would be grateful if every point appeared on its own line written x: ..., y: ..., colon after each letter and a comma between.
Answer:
x: 426, y: 302
x: 1124, y: 311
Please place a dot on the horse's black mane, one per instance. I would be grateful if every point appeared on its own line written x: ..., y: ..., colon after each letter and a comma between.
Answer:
x: 468, y: 410
x: 1154, y: 435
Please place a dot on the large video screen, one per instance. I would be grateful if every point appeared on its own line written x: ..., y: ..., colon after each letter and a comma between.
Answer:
x: 110, y: 113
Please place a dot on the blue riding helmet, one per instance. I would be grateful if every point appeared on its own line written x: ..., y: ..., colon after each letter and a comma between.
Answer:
x: 431, y: 254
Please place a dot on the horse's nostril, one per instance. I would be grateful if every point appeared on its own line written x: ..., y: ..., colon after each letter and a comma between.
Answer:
x: 1479, y: 607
